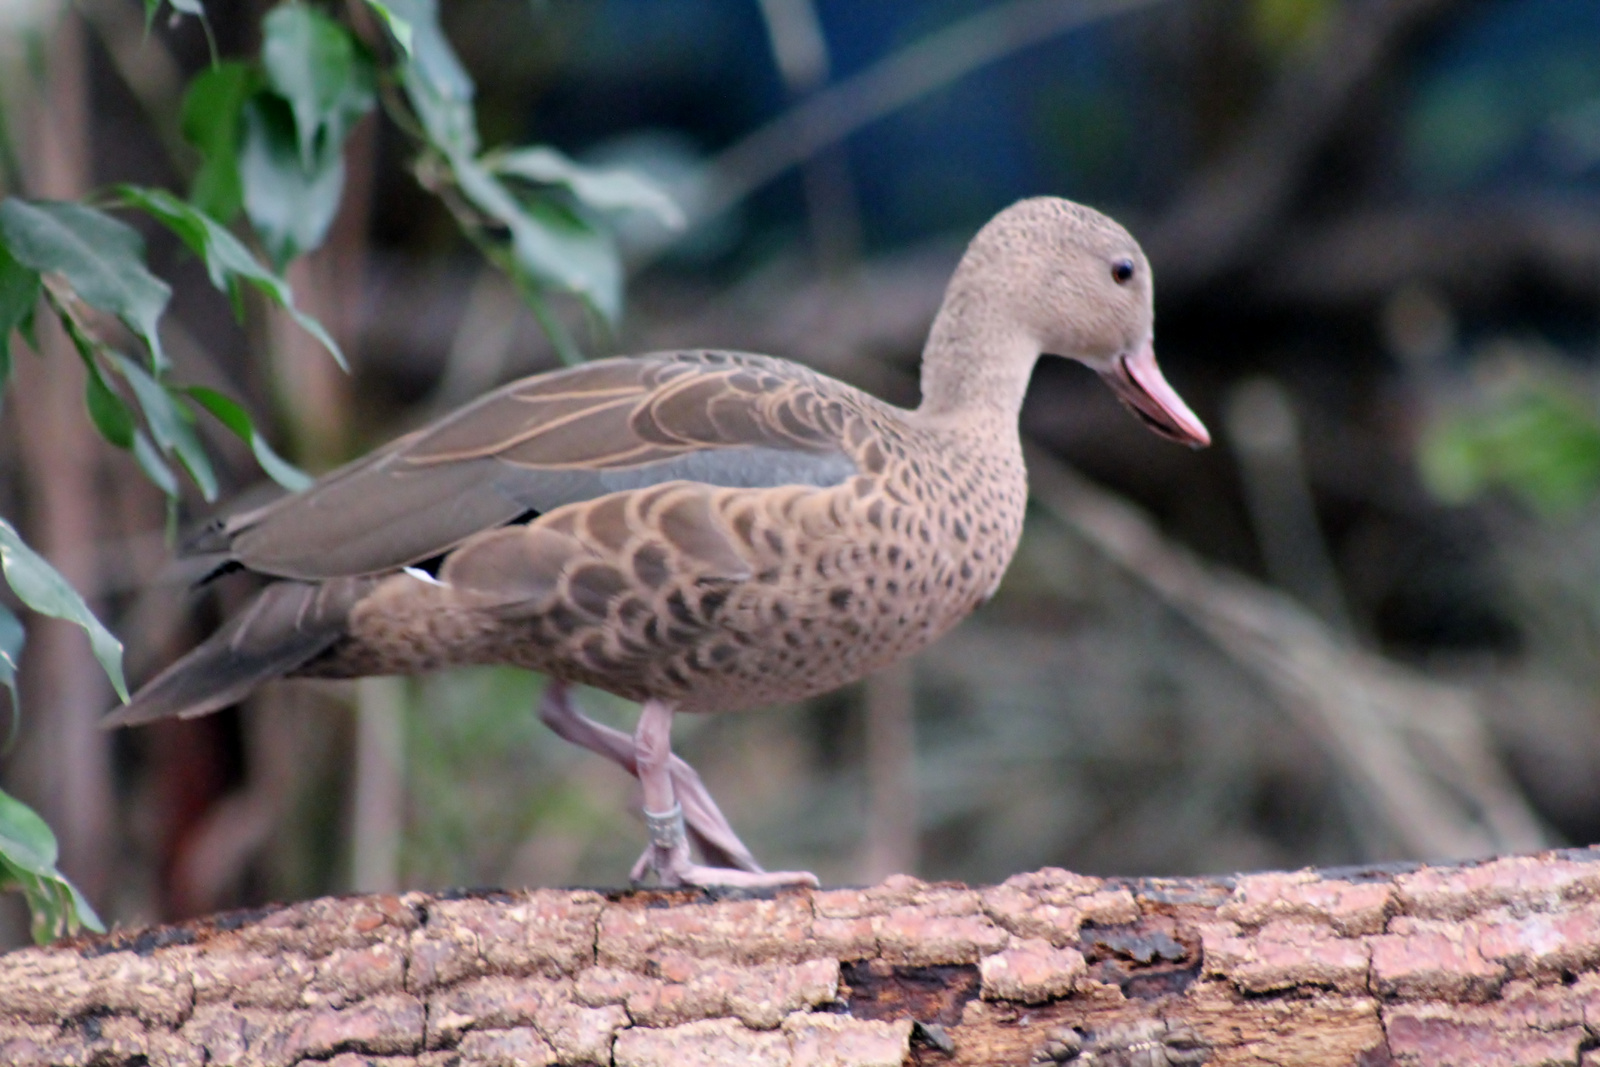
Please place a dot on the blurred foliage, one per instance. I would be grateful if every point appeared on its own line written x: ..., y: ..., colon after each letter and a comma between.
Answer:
x: 42, y: 588
x: 316, y: 82
x: 1529, y: 429
x: 1519, y: 441
x: 271, y: 134
x: 1283, y: 27
x: 28, y: 865
x: 532, y: 212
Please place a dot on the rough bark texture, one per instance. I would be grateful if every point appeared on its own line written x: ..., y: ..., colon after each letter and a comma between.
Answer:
x: 1491, y: 963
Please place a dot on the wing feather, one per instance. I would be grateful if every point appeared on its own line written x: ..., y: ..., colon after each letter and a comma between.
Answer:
x: 718, y: 418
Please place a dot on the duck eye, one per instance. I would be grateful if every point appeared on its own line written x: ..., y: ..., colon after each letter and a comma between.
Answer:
x: 1121, y: 271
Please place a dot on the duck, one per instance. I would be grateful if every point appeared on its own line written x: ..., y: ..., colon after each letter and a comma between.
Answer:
x: 700, y: 531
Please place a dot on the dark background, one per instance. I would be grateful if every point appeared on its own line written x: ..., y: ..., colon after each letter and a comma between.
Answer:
x: 1372, y: 223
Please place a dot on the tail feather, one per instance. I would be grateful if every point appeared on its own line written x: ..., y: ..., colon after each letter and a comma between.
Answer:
x: 284, y: 627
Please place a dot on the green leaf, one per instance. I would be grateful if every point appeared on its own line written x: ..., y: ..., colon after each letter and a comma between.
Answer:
x: 290, y: 207
x: 159, y: 413
x: 1284, y: 27
x: 320, y: 81
x: 101, y: 258
x: 28, y: 855
x: 155, y: 468
x: 434, y: 57
x: 226, y: 258
x: 604, y: 189
x: 42, y: 588
x: 191, y: 453
x: 438, y: 86
x: 19, y: 295
x: 235, y: 418
x: 587, y: 258
x: 152, y: 399
x: 552, y: 247
x: 450, y: 125
x: 81, y: 912
x: 170, y: 427
x: 25, y: 839
x: 12, y: 638
x: 213, y: 108
x: 107, y: 410
x: 45, y: 906
x: 322, y: 72
x: 398, y: 27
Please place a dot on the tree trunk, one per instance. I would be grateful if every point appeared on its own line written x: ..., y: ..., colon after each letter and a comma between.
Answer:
x: 1489, y: 963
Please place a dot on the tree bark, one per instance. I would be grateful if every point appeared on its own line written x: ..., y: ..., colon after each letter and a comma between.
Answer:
x: 1485, y: 963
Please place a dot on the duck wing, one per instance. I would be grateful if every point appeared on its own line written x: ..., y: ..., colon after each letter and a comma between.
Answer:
x: 724, y: 419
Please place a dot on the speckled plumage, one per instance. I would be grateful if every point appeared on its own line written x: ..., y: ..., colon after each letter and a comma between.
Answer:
x: 704, y: 531
x: 722, y: 599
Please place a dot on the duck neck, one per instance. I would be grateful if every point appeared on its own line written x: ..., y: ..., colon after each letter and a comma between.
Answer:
x: 977, y: 361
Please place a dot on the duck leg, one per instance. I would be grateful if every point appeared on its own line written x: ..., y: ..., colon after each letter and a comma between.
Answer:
x: 706, y: 825
x: 668, y: 851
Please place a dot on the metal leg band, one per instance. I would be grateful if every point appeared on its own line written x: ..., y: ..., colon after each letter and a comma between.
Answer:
x: 665, y: 829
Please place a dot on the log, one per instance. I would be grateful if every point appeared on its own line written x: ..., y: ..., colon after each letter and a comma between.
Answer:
x: 1487, y: 963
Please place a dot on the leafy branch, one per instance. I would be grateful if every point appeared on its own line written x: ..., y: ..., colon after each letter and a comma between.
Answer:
x: 28, y: 863
x: 271, y: 136
x: 533, y: 212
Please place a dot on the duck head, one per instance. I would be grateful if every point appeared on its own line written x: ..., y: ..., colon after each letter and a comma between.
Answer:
x: 1049, y: 276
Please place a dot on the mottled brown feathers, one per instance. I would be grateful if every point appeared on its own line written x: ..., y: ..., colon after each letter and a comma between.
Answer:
x: 715, y: 598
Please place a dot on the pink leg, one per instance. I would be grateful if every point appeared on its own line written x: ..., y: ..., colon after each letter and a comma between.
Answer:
x: 706, y: 823
x: 668, y: 851
x: 708, y: 827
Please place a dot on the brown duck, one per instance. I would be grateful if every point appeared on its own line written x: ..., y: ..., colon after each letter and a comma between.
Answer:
x: 700, y: 531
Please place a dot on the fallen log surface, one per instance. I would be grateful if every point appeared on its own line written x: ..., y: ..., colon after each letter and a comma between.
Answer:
x: 1486, y: 963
